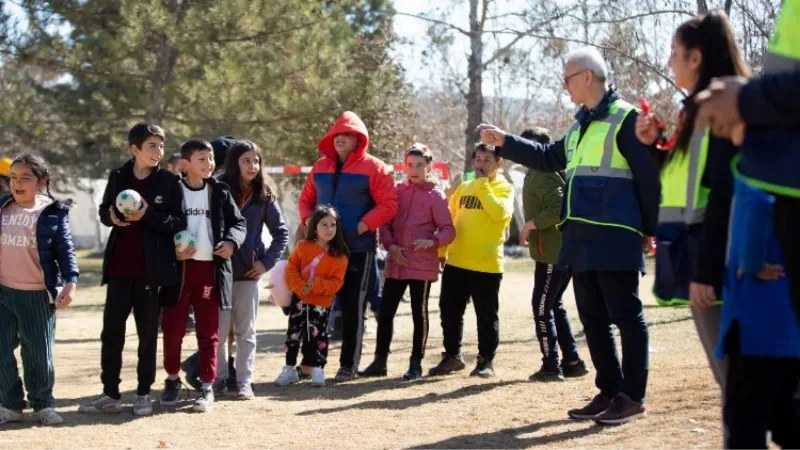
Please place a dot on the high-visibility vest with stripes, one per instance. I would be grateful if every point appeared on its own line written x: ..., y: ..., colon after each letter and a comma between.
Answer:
x: 597, y: 156
x: 683, y: 197
x: 683, y: 203
x: 783, y: 56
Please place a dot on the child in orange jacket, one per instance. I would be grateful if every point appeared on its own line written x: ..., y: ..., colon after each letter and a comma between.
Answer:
x: 315, y: 273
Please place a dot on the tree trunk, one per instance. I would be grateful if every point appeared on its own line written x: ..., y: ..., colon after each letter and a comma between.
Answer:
x: 728, y: 4
x: 475, y: 75
x: 162, y: 77
x: 702, y: 7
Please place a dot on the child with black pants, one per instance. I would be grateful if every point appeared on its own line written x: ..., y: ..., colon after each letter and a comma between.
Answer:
x: 481, y: 210
x: 413, y: 237
x: 542, y: 196
x: 139, y: 265
x: 207, y: 272
x: 314, y: 273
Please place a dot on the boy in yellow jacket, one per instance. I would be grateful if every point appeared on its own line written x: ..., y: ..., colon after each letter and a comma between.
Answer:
x: 481, y: 209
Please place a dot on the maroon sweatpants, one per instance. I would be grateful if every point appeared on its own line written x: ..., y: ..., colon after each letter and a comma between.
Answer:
x: 199, y: 292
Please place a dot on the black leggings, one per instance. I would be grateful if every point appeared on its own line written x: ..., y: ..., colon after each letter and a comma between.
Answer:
x: 787, y: 224
x: 393, y: 291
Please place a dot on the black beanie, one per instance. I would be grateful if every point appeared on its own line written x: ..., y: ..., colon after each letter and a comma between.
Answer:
x: 221, y: 145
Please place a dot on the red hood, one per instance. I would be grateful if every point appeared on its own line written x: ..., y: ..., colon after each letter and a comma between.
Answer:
x: 348, y: 122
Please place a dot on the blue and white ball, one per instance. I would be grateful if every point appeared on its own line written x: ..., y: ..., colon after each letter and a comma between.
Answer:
x: 129, y: 201
x: 183, y: 240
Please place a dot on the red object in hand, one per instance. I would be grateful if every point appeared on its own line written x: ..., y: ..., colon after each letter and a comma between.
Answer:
x: 645, y: 106
x: 661, y: 144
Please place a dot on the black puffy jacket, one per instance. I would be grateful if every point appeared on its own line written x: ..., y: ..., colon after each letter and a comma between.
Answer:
x: 164, y: 217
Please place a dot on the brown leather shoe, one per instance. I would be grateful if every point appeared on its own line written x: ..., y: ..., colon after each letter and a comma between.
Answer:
x: 622, y: 410
x: 598, y: 404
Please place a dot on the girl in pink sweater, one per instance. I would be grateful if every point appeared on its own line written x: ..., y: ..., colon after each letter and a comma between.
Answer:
x: 413, y: 237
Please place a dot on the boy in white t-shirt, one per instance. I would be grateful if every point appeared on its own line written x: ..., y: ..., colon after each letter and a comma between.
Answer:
x: 219, y: 229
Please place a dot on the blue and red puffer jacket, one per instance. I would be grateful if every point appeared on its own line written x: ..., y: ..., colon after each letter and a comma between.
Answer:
x: 361, y: 189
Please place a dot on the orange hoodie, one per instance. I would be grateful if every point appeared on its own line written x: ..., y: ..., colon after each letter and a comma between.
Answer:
x: 328, y: 275
x: 361, y: 189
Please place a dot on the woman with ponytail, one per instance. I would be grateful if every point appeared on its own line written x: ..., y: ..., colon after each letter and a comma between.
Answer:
x: 696, y: 180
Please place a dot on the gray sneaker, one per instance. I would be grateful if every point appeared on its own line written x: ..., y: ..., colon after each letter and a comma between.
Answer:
x: 103, y: 404
x: 220, y: 387
x: 10, y: 415
x: 143, y: 406
x: 204, y: 402
x: 244, y: 391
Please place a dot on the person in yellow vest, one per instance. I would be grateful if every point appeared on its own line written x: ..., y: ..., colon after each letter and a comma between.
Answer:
x: 481, y: 209
x: 610, y: 210
x: 764, y: 113
x: 696, y: 183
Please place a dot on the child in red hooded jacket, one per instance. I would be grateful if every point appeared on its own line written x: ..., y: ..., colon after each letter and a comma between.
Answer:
x: 413, y: 237
x: 361, y: 189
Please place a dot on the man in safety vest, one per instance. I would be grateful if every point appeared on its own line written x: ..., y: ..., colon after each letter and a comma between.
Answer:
x: 610, y: 209
x: 763, y: 115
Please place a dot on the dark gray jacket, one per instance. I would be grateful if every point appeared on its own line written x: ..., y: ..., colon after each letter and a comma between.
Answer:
x: 253, y: 248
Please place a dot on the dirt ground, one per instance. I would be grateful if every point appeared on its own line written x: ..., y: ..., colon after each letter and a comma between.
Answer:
x: 453, y: 412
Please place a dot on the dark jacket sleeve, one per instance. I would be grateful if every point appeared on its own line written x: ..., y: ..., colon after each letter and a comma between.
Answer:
x: 542, y: 157
x: 65, y: 251
x: 273, y: 219
x: 645, y: 173
x: 710, y: 264
x: 173, y: 219
x: 771, y: 100
x: 549, y: 189
x: 108, y: 200
x: 235, y: 224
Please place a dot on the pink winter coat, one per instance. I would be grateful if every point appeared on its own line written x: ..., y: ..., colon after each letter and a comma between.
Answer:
x: 422, y: 213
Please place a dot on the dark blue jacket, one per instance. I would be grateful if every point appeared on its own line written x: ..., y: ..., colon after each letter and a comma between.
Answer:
x: 253, y: 248
x: 54, y: 242
x: 761, y: 309
x: 770, y: 106
x: 588, y: 247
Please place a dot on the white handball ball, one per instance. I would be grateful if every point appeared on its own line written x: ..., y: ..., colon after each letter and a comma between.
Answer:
x: 183, y: 240
x: 129, y: 201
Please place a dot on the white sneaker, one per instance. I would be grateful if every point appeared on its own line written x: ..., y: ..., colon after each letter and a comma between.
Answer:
x: 103, y: 404
x: 288, y: 376
x: 317, y: 377
x: 9, y: 415
x: 143, y: 406
x: 48, y: 416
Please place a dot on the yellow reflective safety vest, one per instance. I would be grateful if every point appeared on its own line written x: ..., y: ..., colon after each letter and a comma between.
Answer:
x: 683, y: 204
x: 601, y: 189
x: 683, y: 197
x: 770, y: 160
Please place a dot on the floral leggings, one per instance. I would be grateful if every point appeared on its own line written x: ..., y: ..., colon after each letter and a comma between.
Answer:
x: 308, y: 326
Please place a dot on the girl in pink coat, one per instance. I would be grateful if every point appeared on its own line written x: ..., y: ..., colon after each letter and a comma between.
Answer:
x: 413, y: 237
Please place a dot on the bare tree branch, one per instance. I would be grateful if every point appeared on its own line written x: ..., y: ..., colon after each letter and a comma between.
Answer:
x: 502, y: 51
x: 702, y: 7
x: 633, y: 58
x: 728, y: 4
x: 636, y: 16
x: 436, y: 21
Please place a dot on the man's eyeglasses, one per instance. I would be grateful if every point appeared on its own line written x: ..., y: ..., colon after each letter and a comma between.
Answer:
x: 569, y: 77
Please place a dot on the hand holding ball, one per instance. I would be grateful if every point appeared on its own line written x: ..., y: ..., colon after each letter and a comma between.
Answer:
x: 183, y: 240
x: 129, y: 201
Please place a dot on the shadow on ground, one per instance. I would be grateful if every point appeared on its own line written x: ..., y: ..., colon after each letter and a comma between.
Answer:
x: 515, y: 437
x: 405, y: 403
